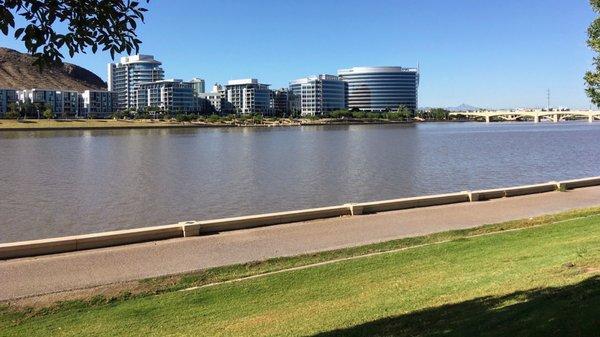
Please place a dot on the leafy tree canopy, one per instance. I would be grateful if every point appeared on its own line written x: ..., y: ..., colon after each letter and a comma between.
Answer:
x: 592, y: 78
x: 77, y: 25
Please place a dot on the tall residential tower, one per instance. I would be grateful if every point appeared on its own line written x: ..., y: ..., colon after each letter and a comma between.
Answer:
x: 123, y: 77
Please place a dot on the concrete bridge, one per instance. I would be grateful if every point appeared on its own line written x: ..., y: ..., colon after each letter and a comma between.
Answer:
x: 536, y: 115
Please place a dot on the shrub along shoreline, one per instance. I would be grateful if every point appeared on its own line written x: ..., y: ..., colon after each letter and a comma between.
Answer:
x: 208, y: 121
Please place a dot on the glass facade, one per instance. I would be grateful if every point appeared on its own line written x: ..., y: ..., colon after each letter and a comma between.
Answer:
x: 318, y: 95
x: 381, y: 88
x: 7, y: 96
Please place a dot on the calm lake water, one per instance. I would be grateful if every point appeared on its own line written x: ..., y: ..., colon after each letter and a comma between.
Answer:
x: 55, y: 183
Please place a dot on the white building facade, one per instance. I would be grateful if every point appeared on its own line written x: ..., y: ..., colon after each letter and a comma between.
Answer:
x: 99, y: 103
x: 248, y: 96
x: 64, y: 103
x: 197, y: 85
x: 318, y: 95
x: 173, y: 96
x: 123, y: 77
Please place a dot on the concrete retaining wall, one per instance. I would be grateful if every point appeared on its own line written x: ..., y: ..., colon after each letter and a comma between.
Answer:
x: 397, y: 204
x: 219, y: 225
x: 513, y: 191
x: 88, y: 241
x: 192, y: 228
x: 577, y: 183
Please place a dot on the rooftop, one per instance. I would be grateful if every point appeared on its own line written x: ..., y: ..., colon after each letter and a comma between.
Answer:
x: 383, y: 69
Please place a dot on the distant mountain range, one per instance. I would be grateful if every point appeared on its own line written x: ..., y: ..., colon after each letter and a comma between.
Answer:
x: 462, y: 107
x: 17, y: 71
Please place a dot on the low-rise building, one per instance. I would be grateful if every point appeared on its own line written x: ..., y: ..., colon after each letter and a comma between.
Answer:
x: 7, y: 97
x: 318, y: 95
x: 64, y: 103
x: 212, y: 100
x: 172, y: 96
x: 99, y: 103
x: 248, y: 96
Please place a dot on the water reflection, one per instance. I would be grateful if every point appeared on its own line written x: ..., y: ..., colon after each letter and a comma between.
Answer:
x: 78, y: 181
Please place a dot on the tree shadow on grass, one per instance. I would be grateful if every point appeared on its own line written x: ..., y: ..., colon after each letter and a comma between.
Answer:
x: 562, y: 311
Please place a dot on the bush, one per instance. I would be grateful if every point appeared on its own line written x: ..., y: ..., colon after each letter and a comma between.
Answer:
x: 48, y: 114
x: 358, y: 114
x: 340, y: 113
x: 214, y: 118
x: 12, y: 114
x: 183, y: 118
x: 373, y: 115
x: 393, y: 116
x: 142, y: 115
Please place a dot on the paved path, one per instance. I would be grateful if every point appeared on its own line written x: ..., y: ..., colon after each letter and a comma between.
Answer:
x: 60, y: 272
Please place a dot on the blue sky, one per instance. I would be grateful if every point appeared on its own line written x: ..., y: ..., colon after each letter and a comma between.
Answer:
x: 488, y: 53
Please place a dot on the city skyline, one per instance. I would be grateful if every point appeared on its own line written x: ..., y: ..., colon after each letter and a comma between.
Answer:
x: 492, y: 54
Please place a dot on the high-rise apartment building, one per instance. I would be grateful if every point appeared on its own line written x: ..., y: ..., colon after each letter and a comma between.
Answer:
x: 318, y: 95
x: 248, y: 96
x: 381, y: 88
x: 123, y: 77
x: 197, y: 85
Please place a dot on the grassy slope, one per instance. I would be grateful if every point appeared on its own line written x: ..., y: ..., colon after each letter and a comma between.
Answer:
x: 507, y: 283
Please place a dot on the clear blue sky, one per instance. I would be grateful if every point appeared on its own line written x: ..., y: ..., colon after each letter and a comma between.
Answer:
x: 488, y: 53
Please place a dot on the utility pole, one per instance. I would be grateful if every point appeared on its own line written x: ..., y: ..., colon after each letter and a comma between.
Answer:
x: 548, y: 100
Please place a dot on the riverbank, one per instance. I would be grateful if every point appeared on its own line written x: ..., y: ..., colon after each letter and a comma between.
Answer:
x: 85, y: 124
x: 537, y: 276
x: 63, y: 273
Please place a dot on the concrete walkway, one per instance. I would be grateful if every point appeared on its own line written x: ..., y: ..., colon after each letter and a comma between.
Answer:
x: 77, y: 270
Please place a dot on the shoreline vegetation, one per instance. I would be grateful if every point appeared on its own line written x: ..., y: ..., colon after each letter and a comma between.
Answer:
x: 502, y: 264
x: 70, y: 124
x: 131, y: 120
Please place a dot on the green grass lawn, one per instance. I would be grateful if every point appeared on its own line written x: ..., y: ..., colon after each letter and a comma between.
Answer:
x: 538, y: 281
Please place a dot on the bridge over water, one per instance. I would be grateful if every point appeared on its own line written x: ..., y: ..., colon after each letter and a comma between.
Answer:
x: 536, y: 115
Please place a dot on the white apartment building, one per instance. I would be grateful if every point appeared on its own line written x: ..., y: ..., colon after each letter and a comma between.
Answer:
x: 248, y: 96
x: 65, y: 103
x: 173, y: 95
x: 99, y: 103
x: 123, y: 77
x: 213, y: 98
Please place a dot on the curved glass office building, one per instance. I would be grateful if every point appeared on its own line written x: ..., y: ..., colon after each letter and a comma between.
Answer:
x: 381, y: 88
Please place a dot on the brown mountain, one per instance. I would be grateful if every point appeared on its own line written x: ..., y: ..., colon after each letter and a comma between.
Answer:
x: 17, y: 71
